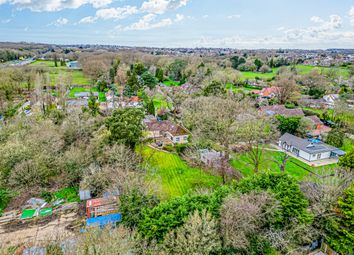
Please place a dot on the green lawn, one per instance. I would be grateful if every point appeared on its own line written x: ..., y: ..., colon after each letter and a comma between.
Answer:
x: 302, y: 69
x: 293, y: 167
x: 78, y: 77
x: 170, y: 83
x: 173, y: 175
x: 238, y: 89
x: 101, y: 95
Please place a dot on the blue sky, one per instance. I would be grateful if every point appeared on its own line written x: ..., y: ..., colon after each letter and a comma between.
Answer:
x: 181, y: 23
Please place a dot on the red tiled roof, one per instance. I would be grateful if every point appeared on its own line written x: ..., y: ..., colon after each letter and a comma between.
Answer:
x: 134, y: 99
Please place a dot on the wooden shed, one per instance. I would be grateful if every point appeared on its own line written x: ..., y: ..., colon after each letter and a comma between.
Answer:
x: 101, y: 206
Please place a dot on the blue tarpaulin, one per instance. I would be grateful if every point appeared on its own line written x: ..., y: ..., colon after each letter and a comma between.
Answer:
x: 103, y: 220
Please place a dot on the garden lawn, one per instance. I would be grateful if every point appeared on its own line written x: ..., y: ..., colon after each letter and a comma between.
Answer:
x: 293, y: 167
x: 101, y: 95
x: 234, y: 88
x: 78, y: 77
x: 170, y: 83
x: 174, y: 175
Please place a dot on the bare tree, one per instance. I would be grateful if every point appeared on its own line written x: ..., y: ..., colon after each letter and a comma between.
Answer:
x: 237, y: 226
x: 213, y: 120
x: 286, y: 88
x: 252, y: 132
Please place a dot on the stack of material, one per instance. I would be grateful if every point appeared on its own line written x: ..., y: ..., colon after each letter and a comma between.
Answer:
x: 9, y: 216
x: 101, y: 206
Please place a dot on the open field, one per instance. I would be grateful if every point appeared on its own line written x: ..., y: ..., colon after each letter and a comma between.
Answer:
x: 302, y: 69
x: 173, y: 174
x: 78, y: 78
x: 101, y: 95
x: 271, y: 160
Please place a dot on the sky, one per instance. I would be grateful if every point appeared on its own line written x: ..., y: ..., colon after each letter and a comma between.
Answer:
x: 242, y: 24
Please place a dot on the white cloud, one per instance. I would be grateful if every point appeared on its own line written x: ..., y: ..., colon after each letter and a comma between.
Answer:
x: 316, y: 19
x: 351, y: 15
x: 88, y: 20
x: 235, y: 16
x: 179, y: 17
x: 155, y: 6
x: 62, y: 21
x: 54, y: 5
x: 161, y: 6
x: 5, y: 21
x: 116, y: 13
x: 323, y: 32
x: 59, y: 22
x: 147, y: 22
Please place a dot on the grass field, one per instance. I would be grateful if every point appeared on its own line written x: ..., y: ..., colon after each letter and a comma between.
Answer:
x: 78, y: 78
x: 174, y: 176
x: 293, y: 167
x: 101, y: 95
x: 302, y: 69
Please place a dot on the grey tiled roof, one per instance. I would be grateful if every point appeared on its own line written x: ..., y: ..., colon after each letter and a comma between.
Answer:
x: 306, y: 145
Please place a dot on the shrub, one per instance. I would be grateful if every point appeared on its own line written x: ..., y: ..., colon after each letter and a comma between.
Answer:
x: 347, y: 160
x: 335, y: 138
x: 5, y: 197
x: 180, y: 148
x: 133, y: 204
x: 340, y: 229
x: 158, y: 221
x: 169, y: 147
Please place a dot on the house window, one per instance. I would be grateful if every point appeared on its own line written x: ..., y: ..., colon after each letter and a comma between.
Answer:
x: 319, y: 156
x: 177, y: 139
x: 186, y: 138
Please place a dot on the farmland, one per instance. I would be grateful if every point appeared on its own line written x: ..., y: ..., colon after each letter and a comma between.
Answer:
x: 56, y: 73
x: 173, y: 175
x: 301, y: 69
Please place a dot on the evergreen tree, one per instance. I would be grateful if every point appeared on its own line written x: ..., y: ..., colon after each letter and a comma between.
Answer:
x: 149, y: 80
x: 159, y: 74
x: 93, y: 105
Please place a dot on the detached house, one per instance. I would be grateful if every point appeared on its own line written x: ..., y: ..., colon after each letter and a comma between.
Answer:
x: 308, y: 149
x: 267, y: 93
x: 331, y: 100
x: 274, y: 110
x: 167, y: 129
x: 319, y: 127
